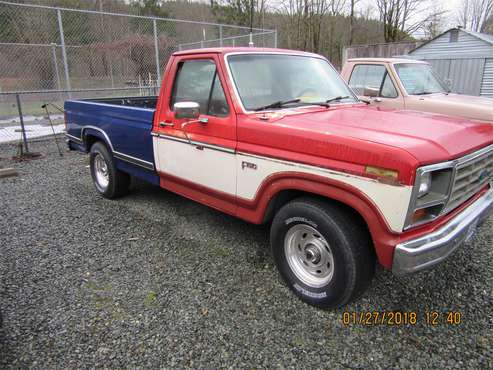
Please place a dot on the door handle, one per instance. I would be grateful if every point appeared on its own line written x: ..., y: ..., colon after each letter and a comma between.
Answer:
x: 166, y: 124
x: 377, y: 100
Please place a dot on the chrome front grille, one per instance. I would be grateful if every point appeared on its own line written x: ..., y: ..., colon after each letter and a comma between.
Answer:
x: 472, y: 173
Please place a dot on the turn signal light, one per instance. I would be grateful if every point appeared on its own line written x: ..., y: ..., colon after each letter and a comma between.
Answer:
x: 419, y: 215
x: 426, y: 214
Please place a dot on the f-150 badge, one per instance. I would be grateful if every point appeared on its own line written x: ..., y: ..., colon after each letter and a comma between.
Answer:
x: 252, y: 166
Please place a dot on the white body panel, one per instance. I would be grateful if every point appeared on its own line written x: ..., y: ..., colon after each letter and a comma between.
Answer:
x: 393, y: 201
x: 208, y: 167
x: 226, y: 172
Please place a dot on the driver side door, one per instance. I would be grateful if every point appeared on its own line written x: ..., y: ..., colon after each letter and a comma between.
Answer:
x: 197, y: 158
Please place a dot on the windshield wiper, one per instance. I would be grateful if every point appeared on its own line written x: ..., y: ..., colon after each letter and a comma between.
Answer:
x: 277, y: 104
x: 337, y: 98
x: 326, y: 103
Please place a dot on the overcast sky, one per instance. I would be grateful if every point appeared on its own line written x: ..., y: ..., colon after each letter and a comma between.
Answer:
x: 450, y: 6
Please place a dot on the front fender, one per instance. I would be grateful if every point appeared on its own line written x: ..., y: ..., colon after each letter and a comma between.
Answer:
x: 383, y: 237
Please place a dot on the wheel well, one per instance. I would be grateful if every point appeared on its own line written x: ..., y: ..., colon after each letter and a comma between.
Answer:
x: 90, y: 140
x: 279, y: 200
x: 285, y: 196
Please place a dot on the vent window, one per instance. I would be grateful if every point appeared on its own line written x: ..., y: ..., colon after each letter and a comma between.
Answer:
x: 454, y: 35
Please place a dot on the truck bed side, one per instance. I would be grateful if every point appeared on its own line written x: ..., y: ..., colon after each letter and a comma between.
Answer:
x: 123, y: 125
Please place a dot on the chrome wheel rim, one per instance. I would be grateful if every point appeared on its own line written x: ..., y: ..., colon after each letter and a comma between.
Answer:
x: 101, y: 171
x: 309, y: 255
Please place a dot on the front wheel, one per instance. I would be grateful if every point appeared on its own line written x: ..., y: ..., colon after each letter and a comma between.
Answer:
x: 322, y: 251
x: 108, y: 180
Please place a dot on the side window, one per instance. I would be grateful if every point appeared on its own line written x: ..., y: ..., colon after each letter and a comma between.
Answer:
x: 366, y: 76
x: 374, y: 77
x: 388, y: 88
x: 218, y: 106
x: 197, y: 81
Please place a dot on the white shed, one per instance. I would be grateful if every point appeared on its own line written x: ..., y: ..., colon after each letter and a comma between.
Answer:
x: 464, y: 57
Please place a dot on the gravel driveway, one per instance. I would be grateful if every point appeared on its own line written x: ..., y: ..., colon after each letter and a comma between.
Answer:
x: 155, y: 280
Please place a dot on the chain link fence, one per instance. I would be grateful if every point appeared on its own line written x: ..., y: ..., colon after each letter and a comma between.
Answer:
x: 50, y: 54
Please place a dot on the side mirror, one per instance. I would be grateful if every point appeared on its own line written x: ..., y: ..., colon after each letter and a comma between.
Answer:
x: 370, y: 91
x: 187, y: 110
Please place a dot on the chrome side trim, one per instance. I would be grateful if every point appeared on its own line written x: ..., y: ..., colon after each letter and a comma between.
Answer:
x: 97, y: 129
x: 74, y: 138
x: 272, y: 159
x: 134, y: 160
x: 196, y: 143
x: 423, y: 252
x: 311, y: 168
x: 122, y: 156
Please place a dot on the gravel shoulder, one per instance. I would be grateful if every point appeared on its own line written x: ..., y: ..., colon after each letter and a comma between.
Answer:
x: 155, y: 280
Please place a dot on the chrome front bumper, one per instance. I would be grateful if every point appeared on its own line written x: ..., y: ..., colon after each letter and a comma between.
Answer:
x: 421, y: 253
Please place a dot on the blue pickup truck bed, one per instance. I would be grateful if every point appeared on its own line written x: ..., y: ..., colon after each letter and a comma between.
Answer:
x: 123, y: 124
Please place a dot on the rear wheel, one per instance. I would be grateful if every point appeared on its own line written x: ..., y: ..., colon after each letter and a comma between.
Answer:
x: 108, y: 180
x: 322, y: 251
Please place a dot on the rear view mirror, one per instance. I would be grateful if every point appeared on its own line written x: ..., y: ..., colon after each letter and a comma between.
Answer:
x: 370, y: 91
x: 186, y: 110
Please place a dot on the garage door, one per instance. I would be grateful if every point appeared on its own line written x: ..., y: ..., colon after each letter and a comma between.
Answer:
x: 466, y: 75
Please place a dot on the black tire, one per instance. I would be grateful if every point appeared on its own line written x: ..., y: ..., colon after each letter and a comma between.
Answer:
x: 350, y: 252
x: 118, y: 182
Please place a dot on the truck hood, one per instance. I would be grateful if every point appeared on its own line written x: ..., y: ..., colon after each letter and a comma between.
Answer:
x: 474, y: 107
x: 430, y: 138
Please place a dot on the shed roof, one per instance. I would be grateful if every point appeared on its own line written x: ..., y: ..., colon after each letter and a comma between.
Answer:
x: 482, y: 36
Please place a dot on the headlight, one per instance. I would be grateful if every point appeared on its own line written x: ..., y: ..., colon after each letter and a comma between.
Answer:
x: 430, y: 193
x: 424, y: 185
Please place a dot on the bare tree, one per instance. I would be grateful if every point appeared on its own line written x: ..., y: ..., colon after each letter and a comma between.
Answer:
x: 403, y: 17
x: 475, y: 14
x: 434, y: 25
x: 311, y: 22
x: 352, y: 16
x: 306, y: 21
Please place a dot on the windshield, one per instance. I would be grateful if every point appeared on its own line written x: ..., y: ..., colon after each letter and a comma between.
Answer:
x: 264, y: 79
x: 419, y: 79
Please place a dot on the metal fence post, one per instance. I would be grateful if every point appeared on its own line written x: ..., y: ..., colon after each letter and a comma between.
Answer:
x: 21, y: 118
x: 221, y: 36
x: 156, y: 50
x: 64, y: 51
x: 55, y: 65
x: 275, y: 38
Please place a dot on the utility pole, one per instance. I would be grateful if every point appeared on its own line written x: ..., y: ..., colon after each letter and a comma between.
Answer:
x: 252, y: 9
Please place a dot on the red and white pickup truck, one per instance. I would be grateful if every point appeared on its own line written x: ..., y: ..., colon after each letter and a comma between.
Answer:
x: 276, y: 136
